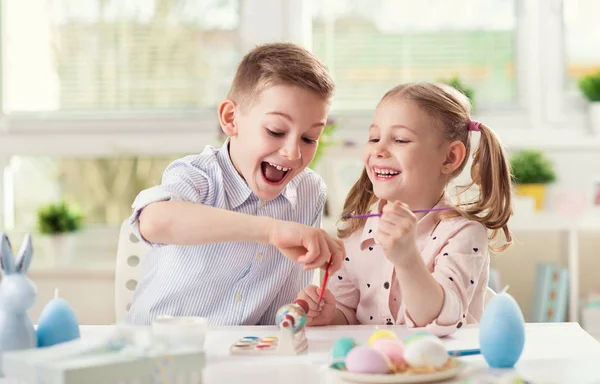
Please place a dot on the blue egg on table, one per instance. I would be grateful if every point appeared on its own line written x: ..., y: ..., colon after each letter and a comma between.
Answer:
x: 340, y: 350
x: 502, y: 332
x: 57, y: 323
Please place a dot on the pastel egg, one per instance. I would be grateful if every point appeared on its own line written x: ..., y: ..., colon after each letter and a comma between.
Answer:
x: 340, y: 350
x: 364, y: 359
x: 417, y: 336
x: 392, y: 349
x: 382, y: 334
x: 426, y: 351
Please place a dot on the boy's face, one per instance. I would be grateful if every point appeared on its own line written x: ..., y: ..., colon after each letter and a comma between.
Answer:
x: 276, y: 137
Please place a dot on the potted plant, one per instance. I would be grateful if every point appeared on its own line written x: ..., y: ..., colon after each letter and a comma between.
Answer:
x: 589, y: 86
x: 59, y: 221
x: 532, y: 171
x: 325, y: 141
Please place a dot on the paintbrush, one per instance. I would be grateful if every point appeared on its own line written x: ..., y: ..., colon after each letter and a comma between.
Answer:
x: 379, y: 214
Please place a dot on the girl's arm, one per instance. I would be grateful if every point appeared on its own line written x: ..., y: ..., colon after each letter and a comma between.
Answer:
x: 422, y: 294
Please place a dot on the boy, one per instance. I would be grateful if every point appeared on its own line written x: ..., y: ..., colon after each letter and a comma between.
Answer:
x: 221, y: 222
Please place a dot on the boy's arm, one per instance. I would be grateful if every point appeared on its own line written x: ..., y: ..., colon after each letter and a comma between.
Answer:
x: 179, y: 212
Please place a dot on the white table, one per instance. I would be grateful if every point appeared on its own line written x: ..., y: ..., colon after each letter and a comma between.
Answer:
x: 561, y: 353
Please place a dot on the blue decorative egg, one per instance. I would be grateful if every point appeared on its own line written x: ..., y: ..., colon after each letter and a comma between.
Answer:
x: 502, y: 332
x: 57, y: 323
x: 340, y: 350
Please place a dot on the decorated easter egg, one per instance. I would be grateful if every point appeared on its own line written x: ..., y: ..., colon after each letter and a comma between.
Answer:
x: 417, y: 336
x: 502, y: 332
x: 364, y: 359
x: 292, y: 315
x: 57, y: 323
x: 382, y: 334
x: 392, y: 349
x: 426, y: 351
x: 340, y: 351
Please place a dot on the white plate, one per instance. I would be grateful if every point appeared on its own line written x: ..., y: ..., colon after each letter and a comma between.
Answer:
x: 400, y: 378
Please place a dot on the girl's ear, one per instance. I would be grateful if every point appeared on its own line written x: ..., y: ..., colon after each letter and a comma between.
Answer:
x: 454, y: 157
x: 227, y: 110
x: 25, y: 255
x: 6, y: 257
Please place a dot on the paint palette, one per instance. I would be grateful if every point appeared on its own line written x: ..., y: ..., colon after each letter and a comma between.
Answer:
x: 254, y: 345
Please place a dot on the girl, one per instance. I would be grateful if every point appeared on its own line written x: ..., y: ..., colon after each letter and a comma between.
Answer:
x: 420, y: 269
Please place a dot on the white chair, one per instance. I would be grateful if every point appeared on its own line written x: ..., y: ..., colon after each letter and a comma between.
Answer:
x: 131, y: 252
x: 489, y: 295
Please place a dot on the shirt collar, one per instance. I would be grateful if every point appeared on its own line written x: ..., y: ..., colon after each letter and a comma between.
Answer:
x: 424, y: 225
x: 236, y: 188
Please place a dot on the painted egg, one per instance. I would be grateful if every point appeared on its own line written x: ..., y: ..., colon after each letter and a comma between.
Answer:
x: 417, y: 336
x: 382, y: 334
x: 340, y: 351
x: 392, y: 349
x: 292, y: 316
x: 426, y: 351
x: 364, y: 359
x: 502, y: 332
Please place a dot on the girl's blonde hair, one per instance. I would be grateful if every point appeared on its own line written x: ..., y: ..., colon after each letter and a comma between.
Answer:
x: 490, y: 170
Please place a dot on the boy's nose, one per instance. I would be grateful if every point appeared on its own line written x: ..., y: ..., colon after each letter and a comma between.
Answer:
x: 291, y: 151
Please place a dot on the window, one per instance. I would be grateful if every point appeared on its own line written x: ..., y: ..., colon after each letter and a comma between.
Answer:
x: 91, y: 56
x: 104, y: 188
x: 582, y: 39
x: 372, y: 45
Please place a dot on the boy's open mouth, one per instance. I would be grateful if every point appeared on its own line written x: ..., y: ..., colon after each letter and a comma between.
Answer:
x: 273, y: 173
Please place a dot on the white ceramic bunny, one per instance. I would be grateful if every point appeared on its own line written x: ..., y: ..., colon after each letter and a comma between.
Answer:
x: 17, y: 295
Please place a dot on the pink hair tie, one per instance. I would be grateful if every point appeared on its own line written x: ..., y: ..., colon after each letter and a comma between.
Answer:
x: 474, y: 126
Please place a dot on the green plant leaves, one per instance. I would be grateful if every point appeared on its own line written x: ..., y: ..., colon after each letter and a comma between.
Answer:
x: 531, y: 167
x: 59, y: 218
x: 589, y: 86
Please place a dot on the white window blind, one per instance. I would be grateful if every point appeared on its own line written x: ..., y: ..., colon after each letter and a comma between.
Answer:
x: 582, y: 38
x: 99, y: 56
x: 373, y: 45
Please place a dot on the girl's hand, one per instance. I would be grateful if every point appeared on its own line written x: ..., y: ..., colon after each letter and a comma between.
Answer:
x: 318, y: 313
x: 397, y: 233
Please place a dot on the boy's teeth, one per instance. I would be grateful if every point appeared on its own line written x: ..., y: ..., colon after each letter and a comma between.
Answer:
x: 279, y: 167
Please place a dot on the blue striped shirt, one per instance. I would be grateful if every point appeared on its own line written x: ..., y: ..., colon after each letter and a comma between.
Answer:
x: 234, y: 283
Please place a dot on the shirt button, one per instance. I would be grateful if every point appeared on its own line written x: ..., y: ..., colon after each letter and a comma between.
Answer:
x: 238, y: 297
x: 259, y: 256
x: 386, y: 285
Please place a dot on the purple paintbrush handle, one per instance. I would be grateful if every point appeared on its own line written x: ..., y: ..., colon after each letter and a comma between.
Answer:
x: 379, y: 214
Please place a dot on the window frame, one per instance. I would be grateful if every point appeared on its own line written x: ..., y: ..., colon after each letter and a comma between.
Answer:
x: 543, y: 117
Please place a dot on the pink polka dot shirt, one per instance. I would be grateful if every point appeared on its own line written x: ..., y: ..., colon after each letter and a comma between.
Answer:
x: 455, y: 250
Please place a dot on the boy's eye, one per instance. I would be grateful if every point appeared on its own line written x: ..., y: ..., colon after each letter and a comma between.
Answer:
x: 309, y: 140
x: 374, y: 140
x: 275, y: 133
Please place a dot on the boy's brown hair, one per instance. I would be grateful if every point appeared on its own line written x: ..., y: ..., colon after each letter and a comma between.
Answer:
x: 279, y: 64
x: 490, y: 171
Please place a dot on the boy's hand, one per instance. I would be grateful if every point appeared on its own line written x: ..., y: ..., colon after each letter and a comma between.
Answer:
x: 397, y: 232
x: 319, y: 313
x: 310, y: 246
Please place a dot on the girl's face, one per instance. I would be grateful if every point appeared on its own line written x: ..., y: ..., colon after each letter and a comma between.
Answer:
x: 406, y: 154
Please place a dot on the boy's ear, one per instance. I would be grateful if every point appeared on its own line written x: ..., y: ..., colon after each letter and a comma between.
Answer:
x: 454, y: 157
x: 227, y: 117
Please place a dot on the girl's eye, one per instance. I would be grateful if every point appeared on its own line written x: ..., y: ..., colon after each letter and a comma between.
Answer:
x: 275, y: 134
x: 402, y: 141
x: 309, y: 141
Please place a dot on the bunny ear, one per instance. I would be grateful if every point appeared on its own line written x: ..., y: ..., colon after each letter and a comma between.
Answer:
x: 6, y: 256
x: 25, y: 255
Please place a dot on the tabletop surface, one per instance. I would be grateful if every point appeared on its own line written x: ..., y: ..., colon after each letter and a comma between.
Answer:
x: 553, y: 353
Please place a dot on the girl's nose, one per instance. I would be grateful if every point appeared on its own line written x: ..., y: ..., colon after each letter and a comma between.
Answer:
x: 380, y: 150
